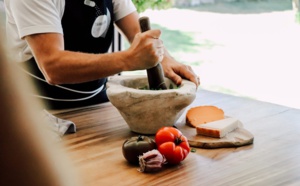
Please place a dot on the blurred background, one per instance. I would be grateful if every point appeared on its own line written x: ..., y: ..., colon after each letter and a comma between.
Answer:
x: 247, y: 48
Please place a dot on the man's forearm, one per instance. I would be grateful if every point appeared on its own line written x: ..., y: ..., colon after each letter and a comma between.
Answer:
x: 76, y: 67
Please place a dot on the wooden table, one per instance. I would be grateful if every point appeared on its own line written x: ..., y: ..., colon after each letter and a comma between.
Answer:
x: 273, y: 159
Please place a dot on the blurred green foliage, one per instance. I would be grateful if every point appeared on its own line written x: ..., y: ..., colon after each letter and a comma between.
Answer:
x: 143, y: 5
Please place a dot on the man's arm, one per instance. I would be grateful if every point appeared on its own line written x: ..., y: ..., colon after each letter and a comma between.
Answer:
x: 60, y: 66
x: 134, y: 28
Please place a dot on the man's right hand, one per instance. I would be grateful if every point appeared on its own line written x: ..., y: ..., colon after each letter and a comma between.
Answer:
x: 146, y: 51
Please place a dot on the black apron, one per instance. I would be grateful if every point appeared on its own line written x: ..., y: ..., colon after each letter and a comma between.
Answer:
x: 84, y: 24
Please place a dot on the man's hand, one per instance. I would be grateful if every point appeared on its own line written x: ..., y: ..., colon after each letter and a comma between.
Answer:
x: 146, y: 50
x: 143, y: 60
x: 177, y: 71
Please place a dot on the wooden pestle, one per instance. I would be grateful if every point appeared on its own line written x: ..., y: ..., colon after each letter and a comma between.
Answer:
x: 155, y: 74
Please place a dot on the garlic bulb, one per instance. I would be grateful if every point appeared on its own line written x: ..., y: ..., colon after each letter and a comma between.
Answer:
x: 151, y: 161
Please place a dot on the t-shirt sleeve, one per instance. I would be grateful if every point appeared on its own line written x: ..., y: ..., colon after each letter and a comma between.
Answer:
x: 122, y: 8
x: 35, y: 16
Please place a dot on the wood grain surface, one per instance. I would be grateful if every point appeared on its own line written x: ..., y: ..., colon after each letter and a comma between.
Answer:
x: 273, y: 159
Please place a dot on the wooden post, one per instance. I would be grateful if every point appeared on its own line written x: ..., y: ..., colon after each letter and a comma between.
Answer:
x: 296, y: 8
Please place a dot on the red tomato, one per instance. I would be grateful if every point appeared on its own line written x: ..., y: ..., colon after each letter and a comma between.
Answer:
x: 172, y: 144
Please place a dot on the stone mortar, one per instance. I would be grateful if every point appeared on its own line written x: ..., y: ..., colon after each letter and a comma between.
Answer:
x: 145, y: 111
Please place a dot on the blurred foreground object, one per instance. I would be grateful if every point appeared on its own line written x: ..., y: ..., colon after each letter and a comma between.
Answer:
x: 28, y: 154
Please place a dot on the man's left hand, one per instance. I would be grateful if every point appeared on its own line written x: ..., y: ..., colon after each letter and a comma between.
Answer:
x: 177, y: 71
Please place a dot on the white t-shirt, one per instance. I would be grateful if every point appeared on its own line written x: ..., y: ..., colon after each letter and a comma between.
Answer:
x: 27, y: 17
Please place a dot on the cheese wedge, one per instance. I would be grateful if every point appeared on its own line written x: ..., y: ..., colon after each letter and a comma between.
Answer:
x: 203, y: 114
x: 218, y: 129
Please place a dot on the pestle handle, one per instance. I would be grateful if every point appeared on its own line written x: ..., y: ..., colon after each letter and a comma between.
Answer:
x: 155, y: 74
x: 144, y: 24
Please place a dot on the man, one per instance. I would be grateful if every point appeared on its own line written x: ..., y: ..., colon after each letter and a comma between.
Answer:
x: 63, y: 45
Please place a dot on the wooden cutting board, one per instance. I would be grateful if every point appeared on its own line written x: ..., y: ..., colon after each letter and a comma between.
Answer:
x: 238, y: 137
